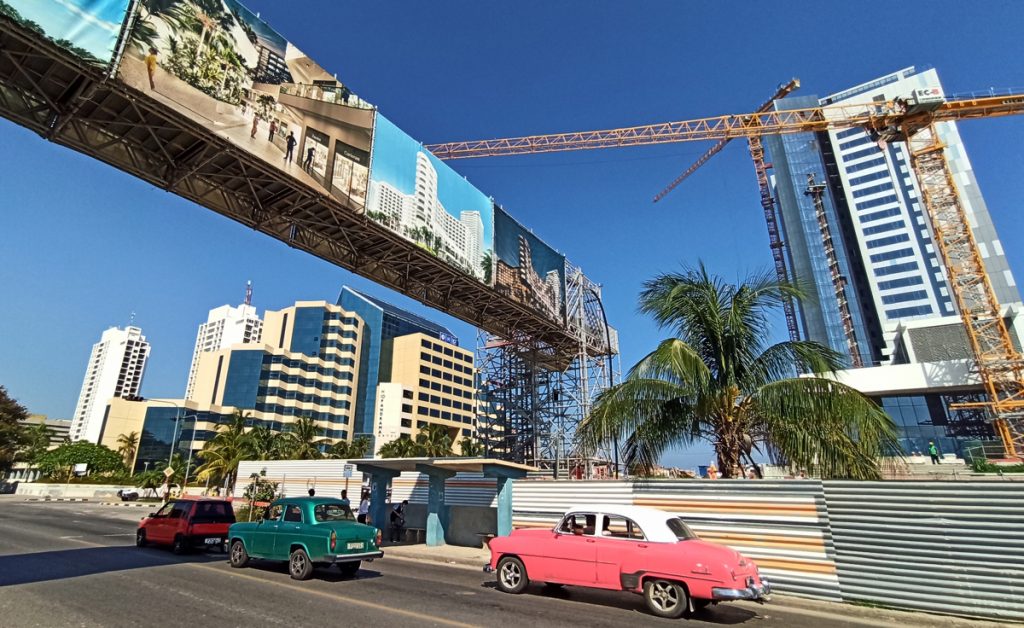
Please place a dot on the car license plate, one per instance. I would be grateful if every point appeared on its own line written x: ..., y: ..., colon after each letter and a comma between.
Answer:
x: 212, y: 541
x: 358, y: 545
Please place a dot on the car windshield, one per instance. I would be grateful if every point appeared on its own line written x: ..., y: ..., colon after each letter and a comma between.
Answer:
x: 680, y: 529
x: 333, y: 512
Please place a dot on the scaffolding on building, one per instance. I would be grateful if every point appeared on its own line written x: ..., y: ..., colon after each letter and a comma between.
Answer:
x: 532, y: 398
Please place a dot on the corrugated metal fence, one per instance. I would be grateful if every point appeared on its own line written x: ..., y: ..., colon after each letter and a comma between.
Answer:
x: 955, y: 547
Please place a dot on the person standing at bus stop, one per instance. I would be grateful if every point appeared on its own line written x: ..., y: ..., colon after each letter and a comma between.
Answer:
x: 364, y: 507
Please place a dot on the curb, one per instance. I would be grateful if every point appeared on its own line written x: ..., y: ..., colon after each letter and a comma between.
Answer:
x: 58, y: 499
x: 128, y: 504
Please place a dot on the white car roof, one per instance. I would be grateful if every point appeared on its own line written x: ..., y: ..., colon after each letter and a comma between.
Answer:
x: 651, y: 520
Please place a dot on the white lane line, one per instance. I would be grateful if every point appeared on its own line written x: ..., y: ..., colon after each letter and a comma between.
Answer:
x: 71, y: 537
x: 120, y: 534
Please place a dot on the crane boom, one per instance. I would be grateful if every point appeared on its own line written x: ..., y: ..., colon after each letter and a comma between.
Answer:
x: 1000, y: 365
x: 878, y: 116
x: 783, y: 91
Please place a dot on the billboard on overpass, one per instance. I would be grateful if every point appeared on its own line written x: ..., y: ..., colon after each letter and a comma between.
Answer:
x: 421, y: 198
x: 219, y: 64
x: 527, y: 269
x: 87, y: 28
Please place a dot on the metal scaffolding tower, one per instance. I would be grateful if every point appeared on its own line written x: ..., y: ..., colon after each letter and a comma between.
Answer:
x: 532, y: 399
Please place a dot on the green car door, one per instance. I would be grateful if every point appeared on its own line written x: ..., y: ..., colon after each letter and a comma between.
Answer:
x: 265, y: 531
x: 292, y: 529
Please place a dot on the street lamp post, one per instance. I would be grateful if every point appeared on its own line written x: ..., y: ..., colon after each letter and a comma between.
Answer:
x: 191, y: 446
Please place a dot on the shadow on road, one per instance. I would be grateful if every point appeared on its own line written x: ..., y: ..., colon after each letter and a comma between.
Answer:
x: 71, y: 563
x: 724, y: 614
x: 326, y: 574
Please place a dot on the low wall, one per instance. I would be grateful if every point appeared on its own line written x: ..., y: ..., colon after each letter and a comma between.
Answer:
x: 69, y: 491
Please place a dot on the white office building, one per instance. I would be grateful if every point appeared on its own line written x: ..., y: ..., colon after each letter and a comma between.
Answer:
x: 225, y: 326
x: 422, y: 217
x: 116, y: 366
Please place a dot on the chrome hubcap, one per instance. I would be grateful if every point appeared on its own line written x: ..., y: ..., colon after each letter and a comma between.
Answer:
x: 298, y: 563
x: 510, y: 575
x: 664, y: 596
x: 236, y: 553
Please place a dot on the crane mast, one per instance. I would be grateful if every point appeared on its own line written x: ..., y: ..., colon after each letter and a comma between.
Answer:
x: 1000, y: 366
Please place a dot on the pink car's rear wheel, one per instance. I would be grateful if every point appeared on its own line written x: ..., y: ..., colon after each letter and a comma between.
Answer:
x: 512, y: 575
x: 665, y: 598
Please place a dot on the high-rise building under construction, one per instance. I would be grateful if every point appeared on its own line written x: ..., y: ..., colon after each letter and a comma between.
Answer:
x: 857, y: 238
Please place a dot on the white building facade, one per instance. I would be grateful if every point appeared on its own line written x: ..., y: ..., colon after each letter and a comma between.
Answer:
x: 225, y: 326
x: 116, y: 367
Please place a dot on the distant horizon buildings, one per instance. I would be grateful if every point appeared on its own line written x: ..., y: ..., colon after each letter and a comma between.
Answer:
x: 879, y: 274
x: 224, y: 326
x: 422, y: 218
x: 116, y: 367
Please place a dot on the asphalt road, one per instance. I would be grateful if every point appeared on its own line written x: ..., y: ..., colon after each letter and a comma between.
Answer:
x: 75, y: 564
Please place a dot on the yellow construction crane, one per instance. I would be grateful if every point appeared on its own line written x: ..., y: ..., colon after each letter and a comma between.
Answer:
x: 911, y: 120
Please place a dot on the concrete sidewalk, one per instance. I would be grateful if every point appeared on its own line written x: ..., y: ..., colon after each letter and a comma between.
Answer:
x: 475, y: 557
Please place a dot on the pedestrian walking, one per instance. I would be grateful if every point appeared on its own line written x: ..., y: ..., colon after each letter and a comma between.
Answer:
x: 290, y: 143
x: 364, y: 507
x: 933, y: 451
x: 255, y: 125
x: 398, y: 520
x: 273, y: 130
x: 308, y: 164
x: 344, y: 499
x: 151, y: 66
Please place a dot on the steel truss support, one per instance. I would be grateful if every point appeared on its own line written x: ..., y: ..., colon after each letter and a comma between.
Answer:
x: 531, y: 403
x: 1000, y: 365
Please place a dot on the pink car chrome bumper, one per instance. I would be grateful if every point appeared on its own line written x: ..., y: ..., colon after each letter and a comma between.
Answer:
x: 751, y: 592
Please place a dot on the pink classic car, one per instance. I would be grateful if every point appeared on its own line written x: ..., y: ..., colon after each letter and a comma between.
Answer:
x: 628, y: 548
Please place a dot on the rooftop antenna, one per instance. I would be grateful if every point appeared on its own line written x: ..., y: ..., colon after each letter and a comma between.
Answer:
x: 248, y: 293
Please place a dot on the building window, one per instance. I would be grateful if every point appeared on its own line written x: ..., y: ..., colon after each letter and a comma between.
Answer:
x: 904, y: 297
x: 898, y: 253
x: 894, y: 239
x: 421, y: 410
x: 895, y: 268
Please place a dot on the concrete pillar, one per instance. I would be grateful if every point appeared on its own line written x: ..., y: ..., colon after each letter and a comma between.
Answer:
x: 504, y: 477
x: 380, y: 482
x: 437, y: 511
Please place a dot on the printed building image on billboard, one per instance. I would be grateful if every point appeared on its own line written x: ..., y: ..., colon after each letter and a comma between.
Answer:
x: 526, y: 269
x: 217, y: 63
x: 87, y: 28
x: 421, y: 198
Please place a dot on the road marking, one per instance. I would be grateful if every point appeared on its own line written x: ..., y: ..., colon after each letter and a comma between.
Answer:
x: 120, y: 534
x: 71, y: 538
x: 419, y: 617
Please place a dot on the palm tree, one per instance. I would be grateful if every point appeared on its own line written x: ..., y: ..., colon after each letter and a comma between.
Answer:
x: 264, y: 443
x: 719, y: 381
x: 487, y: 266
x: 470, y: 448
x: 435, y: 441
x: 127, y: 445
x: 401, y: 448
x: 344, y: 450
x: 222, y: 453
x: 303, y: 440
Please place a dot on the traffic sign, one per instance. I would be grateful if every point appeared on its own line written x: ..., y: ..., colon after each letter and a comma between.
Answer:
x: 348, y: 469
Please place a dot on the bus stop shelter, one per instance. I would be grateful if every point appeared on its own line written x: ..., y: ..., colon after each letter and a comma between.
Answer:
x: 382, y: 470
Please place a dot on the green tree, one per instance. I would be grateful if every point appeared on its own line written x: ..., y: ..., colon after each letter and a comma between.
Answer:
x: 13, y: 435
x: 127, y: 445
x: 222, y: 453
x: 718, y: 380
x: 303, y: 440
x: 344, y: 450
x: 265, y: 444
x: 487, y: 265
x: 470, y: 448
x: 435, y: 441
x: 59, y: 463
x: 401, y: 448
x: 36, y: 443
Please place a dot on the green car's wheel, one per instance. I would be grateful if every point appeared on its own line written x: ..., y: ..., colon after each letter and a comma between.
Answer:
x: 349, y: 569
x: 300, y: 567
x: 239, y: 557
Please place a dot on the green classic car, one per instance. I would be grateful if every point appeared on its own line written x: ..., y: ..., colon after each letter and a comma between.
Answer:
x: 307, y: 532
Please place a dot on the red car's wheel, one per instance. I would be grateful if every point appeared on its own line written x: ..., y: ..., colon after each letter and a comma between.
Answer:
x: 512, y: 575
x: 140, y: 538
x: 665, y: 598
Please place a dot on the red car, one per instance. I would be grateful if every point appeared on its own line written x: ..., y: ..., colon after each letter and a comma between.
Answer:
x: 187, y: 523
x: 628, y: 548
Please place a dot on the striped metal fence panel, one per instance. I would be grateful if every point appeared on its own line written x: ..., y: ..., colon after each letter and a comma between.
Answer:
x: 541, y: 503
x: 953, y: 547
x: 783, y: 526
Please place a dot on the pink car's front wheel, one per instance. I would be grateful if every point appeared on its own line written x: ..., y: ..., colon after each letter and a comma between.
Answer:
x: 512, y: 575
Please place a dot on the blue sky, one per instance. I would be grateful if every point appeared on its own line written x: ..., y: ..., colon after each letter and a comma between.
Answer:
x: 84, y: 245
x: 91, y: 24
x: 394, y: 162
